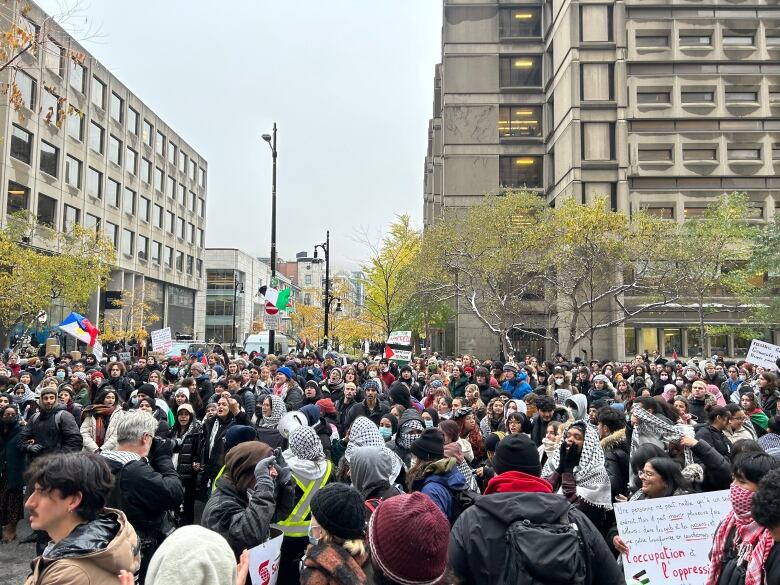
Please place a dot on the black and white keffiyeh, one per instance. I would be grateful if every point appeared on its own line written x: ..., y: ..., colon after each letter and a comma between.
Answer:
x: 405, y: 436
x: 277, y: 412
x: 364, y: 433
x: 590, y: 475
x: 661, y: 428
x: 305, y: 444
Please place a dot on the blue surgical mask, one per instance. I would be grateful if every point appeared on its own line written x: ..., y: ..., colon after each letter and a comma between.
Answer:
x: 60, y: 375
x: 312, y: 540
x: 428, y: 423
x: 174, y: 371
x: 385, y: 432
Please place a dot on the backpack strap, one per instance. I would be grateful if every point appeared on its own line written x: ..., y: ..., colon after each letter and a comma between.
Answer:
x: 372, y: 504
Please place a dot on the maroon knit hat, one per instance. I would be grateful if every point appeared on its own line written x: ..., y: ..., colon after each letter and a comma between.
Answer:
x: 394, y: 540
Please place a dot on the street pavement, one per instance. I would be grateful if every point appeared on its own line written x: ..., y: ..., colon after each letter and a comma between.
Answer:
x: 15, y: 558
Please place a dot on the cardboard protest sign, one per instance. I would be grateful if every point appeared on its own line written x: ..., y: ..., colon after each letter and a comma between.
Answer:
x: 669, y: 539
x: 161, y: 340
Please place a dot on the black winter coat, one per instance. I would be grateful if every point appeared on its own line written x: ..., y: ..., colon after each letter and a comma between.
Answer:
x: 697, y: 408
x: 43, y: 429
x: 293, y: 400
x: 361, y: 409
x: 124, y: 388
x: 482, y: 560
x: 270, y: 437
x: 188, y: 448
x: 212, y: 459
x: 714, y: 437
x: 11, y: 456
x: 616, y: 459
x: 147, y: 488
x: 717, y: 470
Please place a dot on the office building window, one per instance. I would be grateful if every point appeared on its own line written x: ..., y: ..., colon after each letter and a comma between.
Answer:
x: 157, y: 218
x: 182, y: 161
x: 598, y: 141
x: 96, y: 137
x: 653, y: 97
x: 112, y: 193
x: 776, y: 156
x: 520, y: 71
x: 98, y: 93
x: 26, y: 86
x: 159, y: 145
x: 199, y: 268
x: 694, y: 212
x: 190, y: 263
x: 697, y: 97
x: 169, y: 256
x: 128, y: 241
x: 193, y: 169
x: 521, y: 171
x: 597, y: 81
x: 192, y: 202
x: 661, y: 212
x: 21, y: 144
x: 51, y: 107
x: 47, y: 211
x: 737, y: 39
x: 172, y: 153
x: 182, y: 227
x: 655, y: 154
x: 307, y: 279
x: 182, y: 195
x: 699, y: 153
x: 170, y: 222
x: 596, y: 23
x: 129, y: 201
x: 156, y: 251
x: 70, y: 217
x: 202, y: 207
x: 201, y: 238
x: 114, y: 149
x: 202, y: 177
x: 132, y: 120
x: 54, y: 57
x: 190, y: 233
x: 695, y: 39
x: 652, y: 41
x: 146, y: 171
x: 144, y: 206
x: 78, y: 76
x: 159, y: 179
x: 112, y: 233
x: 143, y: 247
x: 117, y: 109
x: 131, y: 160
x: 147, y: 133
x: 741, y: 96
x: 180, y: 261
x: 92, y: 222
x: 744, y: 153
x: 18, y: 198
x: 519, y: 122
x: 73, y: 171
x: 520, y: 22
x: 170, y: 187
x: 75, y: 125
x: 94, y: 183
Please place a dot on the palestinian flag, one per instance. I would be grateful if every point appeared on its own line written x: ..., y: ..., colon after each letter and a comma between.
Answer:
x: 278, y: 298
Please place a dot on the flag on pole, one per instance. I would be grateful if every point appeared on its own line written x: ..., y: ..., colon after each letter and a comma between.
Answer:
x: 278, y: 298
x: 79, y: 327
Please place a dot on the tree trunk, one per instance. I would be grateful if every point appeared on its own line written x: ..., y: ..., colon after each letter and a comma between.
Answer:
x: 702, y: 328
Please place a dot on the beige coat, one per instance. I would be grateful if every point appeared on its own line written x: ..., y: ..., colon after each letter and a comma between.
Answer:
x: 88, y: 431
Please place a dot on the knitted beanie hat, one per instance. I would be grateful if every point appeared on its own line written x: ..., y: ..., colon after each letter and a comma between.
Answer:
x: 394, y: 540
x: 339, y: 509
x: 430, y: 445
x: 517, y: 453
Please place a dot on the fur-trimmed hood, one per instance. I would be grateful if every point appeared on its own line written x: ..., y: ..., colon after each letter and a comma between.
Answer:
x: 613, y: 439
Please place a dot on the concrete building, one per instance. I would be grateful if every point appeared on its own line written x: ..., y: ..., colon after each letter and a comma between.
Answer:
x: 235, y: 275
x: 655, y: 105
x: 82, y: 148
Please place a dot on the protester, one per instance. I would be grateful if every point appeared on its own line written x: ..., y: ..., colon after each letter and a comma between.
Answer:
x: 100, y: 420
x: 89, y: 542
x: 370, y: 467
x: 271, y: 411
x: 12, y: 465
x: 187, y: 436
x: 213, y: 450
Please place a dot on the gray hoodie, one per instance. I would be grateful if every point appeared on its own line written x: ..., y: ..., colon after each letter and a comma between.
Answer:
x: 578, y: 403
x: 370, y: 466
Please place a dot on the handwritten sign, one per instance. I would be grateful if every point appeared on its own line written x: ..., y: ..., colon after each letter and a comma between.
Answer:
x: 400, y: 338
x: 161, y: 340
x: 669, y: 539
x: 264, y: 560
x: 763, y: 354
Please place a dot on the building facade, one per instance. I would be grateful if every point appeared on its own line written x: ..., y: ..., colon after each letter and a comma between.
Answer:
x: 658, y: 105
x: 82, y: 148
x: 233, y: 281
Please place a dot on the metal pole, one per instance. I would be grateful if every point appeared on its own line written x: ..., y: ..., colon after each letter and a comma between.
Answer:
x: 272, y: 332
x: 327, y: 285
x: 235, y: 298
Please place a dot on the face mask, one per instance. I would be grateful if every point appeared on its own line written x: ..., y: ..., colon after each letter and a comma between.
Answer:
x: 558, y: 381
x: 428, y: 424
x: 690, y: 376
x: 174, y: 371
x: 742, y: 377
x: 312, y: 540
x: 664, y: 378
x: 372, y: 374
x: 407, y: 439
x: 60, y: 375
x: 741, y: 499
x: 385, y: 432
x: 9, y: 420
x: 679, y: 383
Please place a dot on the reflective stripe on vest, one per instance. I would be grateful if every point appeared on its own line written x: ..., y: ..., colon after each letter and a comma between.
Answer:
x: 297, y: 523
x: 214, y: 483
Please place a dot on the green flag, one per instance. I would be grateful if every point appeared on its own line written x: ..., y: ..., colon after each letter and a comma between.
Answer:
x: 282, y: 299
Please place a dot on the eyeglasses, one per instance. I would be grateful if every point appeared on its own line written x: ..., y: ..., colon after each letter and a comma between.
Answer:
x: 646, y: 474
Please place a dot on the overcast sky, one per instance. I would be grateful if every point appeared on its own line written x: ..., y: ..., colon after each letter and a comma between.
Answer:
x: 349, y: 83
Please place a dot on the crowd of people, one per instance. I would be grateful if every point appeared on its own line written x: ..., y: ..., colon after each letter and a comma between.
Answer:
x: 168, y: 470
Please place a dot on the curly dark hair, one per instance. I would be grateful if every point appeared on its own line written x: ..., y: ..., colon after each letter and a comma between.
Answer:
x: 74, y: 473
x: 766, y: 501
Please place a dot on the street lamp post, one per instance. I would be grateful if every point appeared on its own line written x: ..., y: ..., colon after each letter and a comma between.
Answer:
x: 271, y: 140
x: 326, y: 249
x: 236, y: 285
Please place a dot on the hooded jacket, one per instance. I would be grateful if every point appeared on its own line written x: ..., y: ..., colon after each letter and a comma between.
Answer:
x: 370, y: 468
x: 204, y: 553
x: 55, y: 433
x: 88, y: 430
x: 616, y: 460
x: 481, y: 560
x: 580, y: 408
x: 441, y: 479
x: 93, y: 554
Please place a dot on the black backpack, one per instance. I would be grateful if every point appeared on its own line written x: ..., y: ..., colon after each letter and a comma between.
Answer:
x: 539, y: 554
x: 463, y: 499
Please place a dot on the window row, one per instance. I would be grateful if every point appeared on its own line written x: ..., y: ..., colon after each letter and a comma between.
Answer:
x: 729, y: 38
x: 705, y: 95
x: 704, y: 152
x: 668, y: 211
x: 52, y: 109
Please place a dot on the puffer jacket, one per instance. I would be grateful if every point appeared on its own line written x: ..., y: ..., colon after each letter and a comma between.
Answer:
x: 616, y: 461
x: 88, y: 431
x: 442, y: 478
x: 243, y: 522
x: 188, y: 449
x: 715, y: 437
x: 42, y: 428
x: 93, y: 554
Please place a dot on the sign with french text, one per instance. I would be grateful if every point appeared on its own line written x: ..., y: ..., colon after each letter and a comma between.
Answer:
x: 669, y: 539
x: 763, y: 354
x: 162, y: 340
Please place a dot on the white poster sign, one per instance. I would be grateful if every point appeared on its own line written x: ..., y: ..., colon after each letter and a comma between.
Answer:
x: 763, y: 354
x: 669, y: 539
x: 400, y: 338
x: 264, y: 561
x: 402, y: 355
x: 161, y: 340
x: 271, y: 321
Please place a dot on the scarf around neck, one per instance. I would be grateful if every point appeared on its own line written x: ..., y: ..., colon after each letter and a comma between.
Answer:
x: 661, y: 427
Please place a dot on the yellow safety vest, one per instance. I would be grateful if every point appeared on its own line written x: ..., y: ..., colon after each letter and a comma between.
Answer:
x: 297, y: 523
